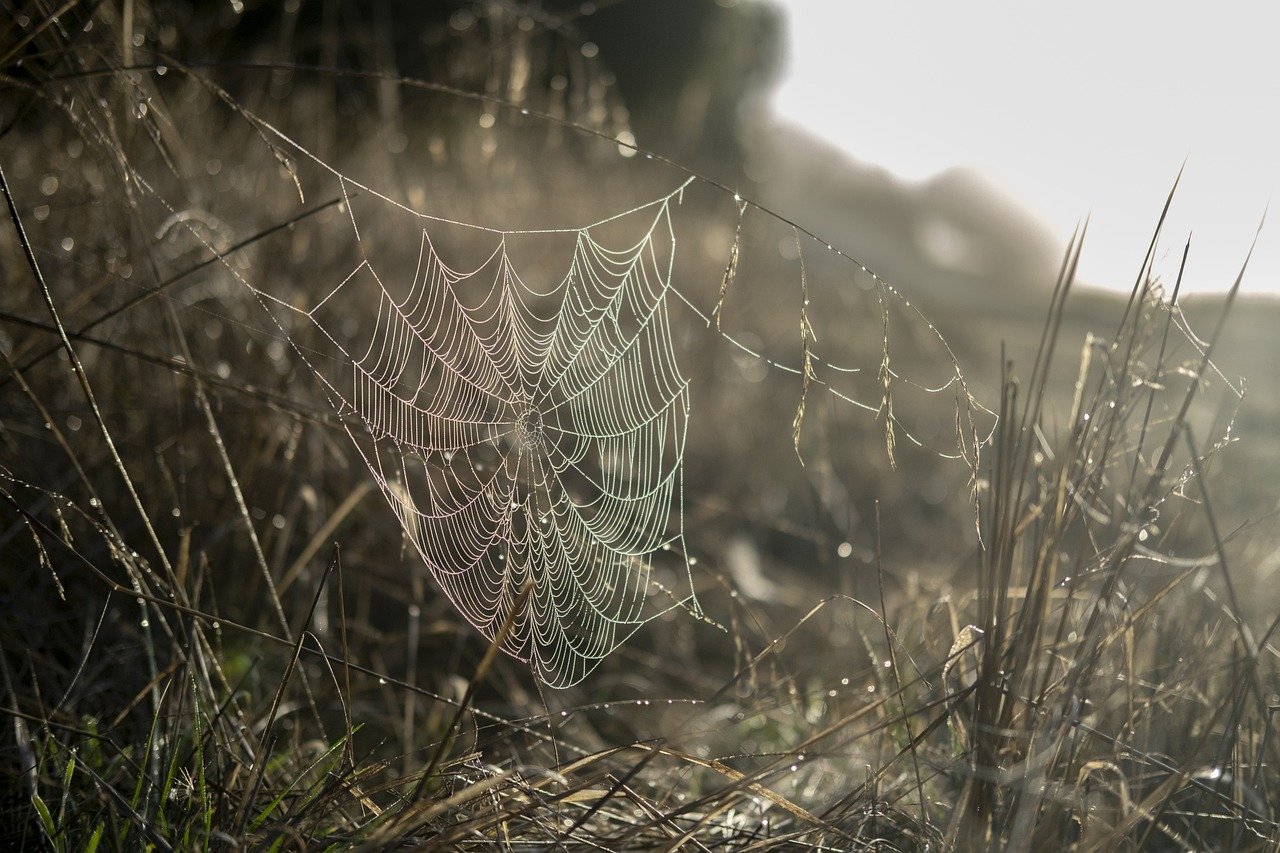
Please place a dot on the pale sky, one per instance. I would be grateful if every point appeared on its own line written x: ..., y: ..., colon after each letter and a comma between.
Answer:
x: 1070, y: 108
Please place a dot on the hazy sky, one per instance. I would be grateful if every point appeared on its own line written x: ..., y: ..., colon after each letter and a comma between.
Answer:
x: 1070, y: 108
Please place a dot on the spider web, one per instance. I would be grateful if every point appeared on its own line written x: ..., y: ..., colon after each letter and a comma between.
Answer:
x: 529, y: 429
x: 526, y: 434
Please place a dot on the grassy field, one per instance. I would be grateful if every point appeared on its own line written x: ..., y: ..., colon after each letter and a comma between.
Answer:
x: 945, y: 567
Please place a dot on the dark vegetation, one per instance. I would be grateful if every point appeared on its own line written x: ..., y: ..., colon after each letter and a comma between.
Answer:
x: 214, y: 633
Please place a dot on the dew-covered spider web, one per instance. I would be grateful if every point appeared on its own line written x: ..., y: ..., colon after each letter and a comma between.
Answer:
x: 528, y: 431
x: 565, y: 420
x: 525, y: 412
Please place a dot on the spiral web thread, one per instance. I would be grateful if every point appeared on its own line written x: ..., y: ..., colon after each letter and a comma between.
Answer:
x: 530, y: 435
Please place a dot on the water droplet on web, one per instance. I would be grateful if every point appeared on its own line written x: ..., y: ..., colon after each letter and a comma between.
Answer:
x: 845, y: 549
x: 626, y: 143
